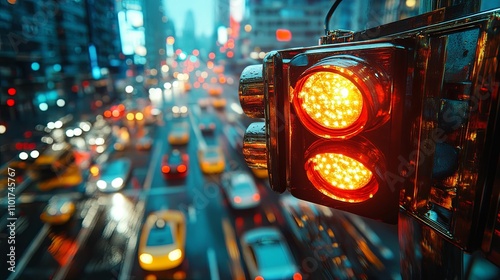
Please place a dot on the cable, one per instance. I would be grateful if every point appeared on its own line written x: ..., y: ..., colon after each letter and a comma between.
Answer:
x: 329, y: 15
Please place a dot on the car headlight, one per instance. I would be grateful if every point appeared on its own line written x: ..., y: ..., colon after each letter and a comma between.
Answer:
x: 101, y: 184
x: 146, y: 258
x: 175, y: 255
x: 117, y: 183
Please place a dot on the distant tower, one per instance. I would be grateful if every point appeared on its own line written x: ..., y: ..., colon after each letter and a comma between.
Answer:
x: 188, y: 42
x: 156, y: 30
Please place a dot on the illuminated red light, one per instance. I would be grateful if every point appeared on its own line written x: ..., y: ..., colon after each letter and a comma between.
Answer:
x: 11, y: 91
x: 259, y: 278
x: 165, y: 169
x: 107, y: 114
x: 11, y: 102
x: 211, y: 55
x: 181, y: 168
x: 340, y: 97
x: 257, y: 219
x: 283, y: 35
x: 297, y: 276
x: 237, y: 199
x: 342, y: 173
x: 256, y: 197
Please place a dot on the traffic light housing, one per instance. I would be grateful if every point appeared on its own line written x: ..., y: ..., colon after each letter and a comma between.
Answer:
x: 401, y: 117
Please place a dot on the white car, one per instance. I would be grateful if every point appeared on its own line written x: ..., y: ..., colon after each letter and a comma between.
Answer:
x: 113, y: 175
x: 267, y: 255
x: 240, y: 189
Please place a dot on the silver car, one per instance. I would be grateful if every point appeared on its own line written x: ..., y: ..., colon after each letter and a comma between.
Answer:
x: 267, y: 254
x: 240, y: 189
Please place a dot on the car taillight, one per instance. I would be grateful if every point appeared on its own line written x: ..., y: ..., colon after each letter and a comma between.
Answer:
x: 165, y: 169
x: 181, y: 168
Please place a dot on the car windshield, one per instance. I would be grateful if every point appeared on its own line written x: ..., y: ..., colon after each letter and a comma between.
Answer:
x: 160, y: 236
x: 175, y: 158
x: 115, y: 168
x: 179, y: 129
x: 270, y: 253
x: 211, y: 154
x: 242, y: 186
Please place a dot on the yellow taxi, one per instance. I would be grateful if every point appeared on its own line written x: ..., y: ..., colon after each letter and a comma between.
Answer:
x: 211, y: 160
x: 162, y: 242
x: 179, y: 134
x: 215, y: 91
x: 71, y: 177
x: 219, y: 103
x: 58, y: 211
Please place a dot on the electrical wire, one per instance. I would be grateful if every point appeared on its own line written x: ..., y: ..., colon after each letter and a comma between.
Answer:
x: 329, y: 15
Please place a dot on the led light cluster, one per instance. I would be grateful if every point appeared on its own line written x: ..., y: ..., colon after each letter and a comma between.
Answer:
x: 331, y: 100
x: 338, y: 98
x: 341, y: 171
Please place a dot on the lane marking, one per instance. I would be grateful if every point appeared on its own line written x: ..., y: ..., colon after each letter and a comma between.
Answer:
x: 140, y: 210
x: 23, y: 262
x: 192, y: 213
x: 202, y: 145
x: 212, y: 264
x: 232, y: 250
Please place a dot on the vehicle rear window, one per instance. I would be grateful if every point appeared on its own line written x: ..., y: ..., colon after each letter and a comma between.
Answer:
x: 175, y: 159
x: 270, y: 253
x: 160, y: 236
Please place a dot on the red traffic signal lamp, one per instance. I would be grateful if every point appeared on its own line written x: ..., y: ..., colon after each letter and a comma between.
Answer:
x: 335, y: 120
x: 403, y: 121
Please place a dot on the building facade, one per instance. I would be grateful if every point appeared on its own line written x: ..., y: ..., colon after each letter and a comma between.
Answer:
x: 44, y: 46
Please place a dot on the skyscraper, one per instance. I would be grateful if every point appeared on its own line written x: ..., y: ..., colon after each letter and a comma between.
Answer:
x: 45, y: 46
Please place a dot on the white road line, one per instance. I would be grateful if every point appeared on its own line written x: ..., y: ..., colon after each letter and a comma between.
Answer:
x: 153, y: 165
x: 202, y: 145
x: 212, y: 264
x: 232, y: 250
x: 132, y: 242
x: 88, y: 225
x: 192, y: 214
x: 23, y: 262
x: 139, y: 209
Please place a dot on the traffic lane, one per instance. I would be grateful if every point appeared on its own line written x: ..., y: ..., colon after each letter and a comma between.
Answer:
x: 267, y: 214
x: 196, y: 199
x: 200, y: 203
x: 60, y: 245
x: 18, y: 234
x: 108, y: 250
x: 50, y: 246
x: 139, y: 158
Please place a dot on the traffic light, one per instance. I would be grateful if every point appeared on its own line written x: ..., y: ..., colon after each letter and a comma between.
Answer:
x: 398, y: 118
